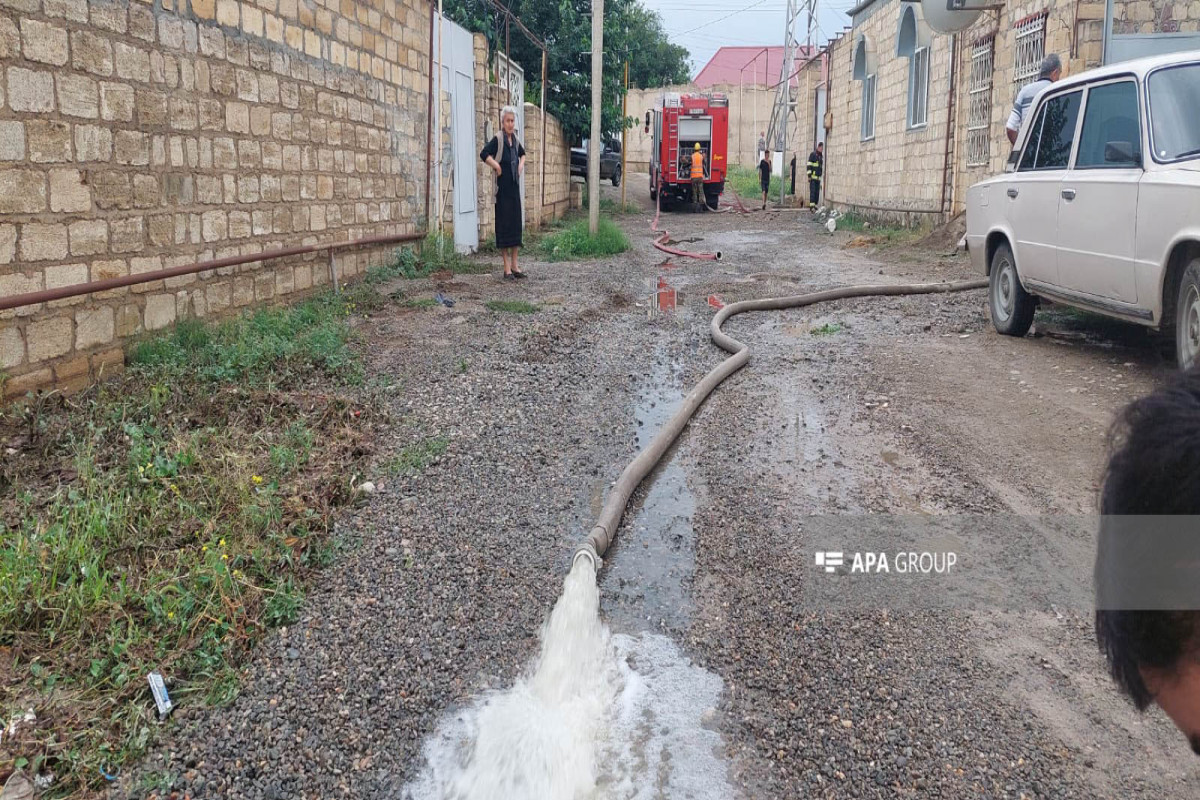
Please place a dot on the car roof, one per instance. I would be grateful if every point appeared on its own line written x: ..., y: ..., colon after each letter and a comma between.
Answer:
x: 1138, y: 66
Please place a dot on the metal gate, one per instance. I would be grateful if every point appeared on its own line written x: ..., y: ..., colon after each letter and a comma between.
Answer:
x: 457, y: 78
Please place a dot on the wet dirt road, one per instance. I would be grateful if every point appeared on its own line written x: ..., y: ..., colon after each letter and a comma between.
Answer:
x: 858, y: 425
x: 902, y: 409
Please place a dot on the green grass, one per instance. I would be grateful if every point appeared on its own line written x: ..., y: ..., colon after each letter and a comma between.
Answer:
x: 828, y: 329
x: 512, y: 306
x: 882, y: 232
x: 165, y: 520
x: 744, y: 181
x: 573, y: 241
x: 413, y: 460
x: 435, y: 254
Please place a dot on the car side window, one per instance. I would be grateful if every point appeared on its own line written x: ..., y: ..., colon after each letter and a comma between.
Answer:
x: 1035, y: 138
x: 1111, y: 118
x: 1058, y: 131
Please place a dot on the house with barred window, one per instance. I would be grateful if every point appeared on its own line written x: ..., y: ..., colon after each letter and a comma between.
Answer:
x: 915, y: 116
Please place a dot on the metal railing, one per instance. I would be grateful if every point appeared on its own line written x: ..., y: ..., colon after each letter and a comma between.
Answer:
x: 63, y: 292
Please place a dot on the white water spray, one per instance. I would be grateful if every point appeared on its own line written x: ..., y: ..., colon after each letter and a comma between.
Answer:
x: 538, y: 740
x: 597, y: 717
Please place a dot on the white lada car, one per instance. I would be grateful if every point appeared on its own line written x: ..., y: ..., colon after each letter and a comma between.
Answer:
x: 1099, y: 207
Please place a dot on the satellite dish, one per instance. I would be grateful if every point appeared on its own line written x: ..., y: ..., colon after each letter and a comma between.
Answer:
x: 951, y: 16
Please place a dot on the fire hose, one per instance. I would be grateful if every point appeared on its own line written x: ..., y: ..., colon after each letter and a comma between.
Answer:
x: 605, y: 528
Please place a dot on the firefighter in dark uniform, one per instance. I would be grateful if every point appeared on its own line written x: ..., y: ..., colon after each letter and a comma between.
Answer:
x: 816, y: 167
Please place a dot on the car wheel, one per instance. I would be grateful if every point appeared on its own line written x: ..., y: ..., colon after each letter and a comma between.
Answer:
x: 1187, y: 317
x: 617, y: 176
x: 1012, y: 307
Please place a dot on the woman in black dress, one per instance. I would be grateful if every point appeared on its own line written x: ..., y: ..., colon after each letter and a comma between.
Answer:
x: 506, y: 156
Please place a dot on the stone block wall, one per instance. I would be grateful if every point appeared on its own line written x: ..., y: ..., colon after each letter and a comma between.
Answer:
x: 141, y: 135
x: 903, y: 169
x: 557, y: 167
x: 1074, y: 31
x: 1156, y: 16
x: 899, y: 173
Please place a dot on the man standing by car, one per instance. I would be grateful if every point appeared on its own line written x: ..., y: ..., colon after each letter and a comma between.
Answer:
x: 697, y: 175
x: 1050, y: 72
x: 816, y: 167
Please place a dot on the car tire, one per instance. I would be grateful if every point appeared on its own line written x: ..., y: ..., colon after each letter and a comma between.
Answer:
x: 1187, y: 317
x: 1012, y: 307
x: 712, y: 200
x: 616, y: 179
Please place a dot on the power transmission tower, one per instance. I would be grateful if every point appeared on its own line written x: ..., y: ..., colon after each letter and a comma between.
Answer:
x: 777, y: 129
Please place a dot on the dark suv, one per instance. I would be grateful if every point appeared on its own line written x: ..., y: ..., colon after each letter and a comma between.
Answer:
x: 610, y: 161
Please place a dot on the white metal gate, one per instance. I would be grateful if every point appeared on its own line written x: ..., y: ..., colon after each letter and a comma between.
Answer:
x: 457, y: 78
x: 511, y: 78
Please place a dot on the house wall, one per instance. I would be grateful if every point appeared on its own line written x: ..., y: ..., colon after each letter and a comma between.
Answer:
x: 1076, y: 33
x: 898, y: 173
x: 901, y: 171
x: 138, y: 136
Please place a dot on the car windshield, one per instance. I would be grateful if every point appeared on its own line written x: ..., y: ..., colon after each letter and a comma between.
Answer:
x: 1175, y: 112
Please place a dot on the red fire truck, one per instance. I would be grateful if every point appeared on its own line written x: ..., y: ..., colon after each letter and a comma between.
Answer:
x: 682, y: 122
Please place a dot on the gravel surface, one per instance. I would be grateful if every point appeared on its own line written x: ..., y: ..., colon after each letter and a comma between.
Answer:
x: 909, y: 406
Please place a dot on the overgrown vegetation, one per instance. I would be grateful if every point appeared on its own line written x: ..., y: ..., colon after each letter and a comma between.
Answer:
x: 435, y: 254
x: 744, y: 181
x: 511, y: 306
x: 574, y: 241
x: 165, y: 519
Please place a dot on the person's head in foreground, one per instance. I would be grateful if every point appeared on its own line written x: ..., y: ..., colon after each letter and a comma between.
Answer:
x: 1148, y: 569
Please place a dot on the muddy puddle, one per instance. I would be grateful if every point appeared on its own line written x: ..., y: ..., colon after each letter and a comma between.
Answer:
x: 645, y: 584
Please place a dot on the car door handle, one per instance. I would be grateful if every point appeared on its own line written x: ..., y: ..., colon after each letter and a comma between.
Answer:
x: 1068, y: 194
x: 1013, y: 192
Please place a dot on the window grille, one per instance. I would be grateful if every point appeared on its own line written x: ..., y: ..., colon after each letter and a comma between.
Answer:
x: 1031, y: 47
x: 979, y: 105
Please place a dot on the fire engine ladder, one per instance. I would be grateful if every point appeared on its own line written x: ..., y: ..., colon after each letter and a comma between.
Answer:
x: 672, y: 134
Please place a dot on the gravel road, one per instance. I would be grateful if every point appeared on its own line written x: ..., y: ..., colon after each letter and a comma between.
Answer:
x: 908, y: 407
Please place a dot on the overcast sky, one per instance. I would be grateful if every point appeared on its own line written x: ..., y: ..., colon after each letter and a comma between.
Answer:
x: 703, y: 26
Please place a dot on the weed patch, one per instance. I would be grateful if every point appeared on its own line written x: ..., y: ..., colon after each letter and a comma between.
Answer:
x: 575, y: 241
x: 512, y: 306
x: 828, y: 329
x: 413, y: 460
x: 165, y: 520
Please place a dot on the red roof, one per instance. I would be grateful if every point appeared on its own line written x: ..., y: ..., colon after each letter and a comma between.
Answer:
x: 750, y: 65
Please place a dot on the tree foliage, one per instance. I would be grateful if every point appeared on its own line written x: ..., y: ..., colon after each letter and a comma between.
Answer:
x: 631, y: 33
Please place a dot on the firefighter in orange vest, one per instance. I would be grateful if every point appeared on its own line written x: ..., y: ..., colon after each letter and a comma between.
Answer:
x: 698, y: 177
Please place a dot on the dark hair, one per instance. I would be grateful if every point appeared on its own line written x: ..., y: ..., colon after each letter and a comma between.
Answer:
x: 1153, y: 468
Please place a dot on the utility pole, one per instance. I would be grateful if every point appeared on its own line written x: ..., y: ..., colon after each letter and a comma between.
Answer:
x: 594, y: 141
x: 624, y: 129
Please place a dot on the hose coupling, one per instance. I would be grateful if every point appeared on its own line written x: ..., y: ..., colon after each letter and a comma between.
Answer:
x: 586, y: 550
